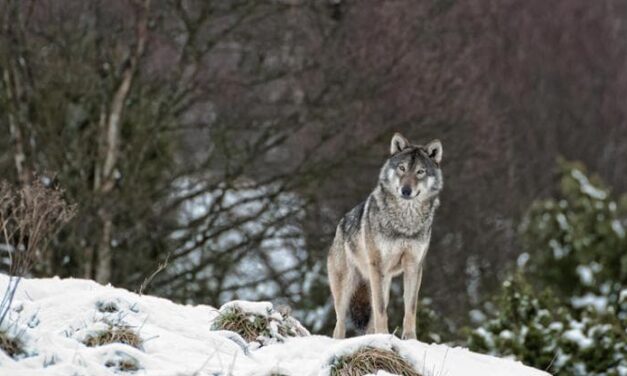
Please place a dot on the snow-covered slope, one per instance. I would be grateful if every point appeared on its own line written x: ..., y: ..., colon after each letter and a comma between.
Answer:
x: 52, y: 316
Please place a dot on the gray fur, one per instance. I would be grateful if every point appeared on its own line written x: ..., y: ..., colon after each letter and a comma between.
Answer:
x: 386, y: 235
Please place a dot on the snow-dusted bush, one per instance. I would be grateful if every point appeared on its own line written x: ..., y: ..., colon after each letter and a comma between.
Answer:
x: 258, y: 322
x: 577, y: 243
x: 432, y: 326
x: 536, y: 330
x: 576, y: 247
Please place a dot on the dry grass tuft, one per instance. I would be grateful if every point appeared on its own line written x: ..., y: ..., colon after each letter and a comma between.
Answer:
x: 10, y: 346
x: 124, y: 363
x: 107, y: 306
x: 369, y: 360
x: 124, y: 366
x: 251, y: 327
x: 115, y: 334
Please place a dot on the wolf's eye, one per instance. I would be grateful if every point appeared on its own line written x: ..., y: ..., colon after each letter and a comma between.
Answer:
x: 401, y: 168
x: 420, y: 172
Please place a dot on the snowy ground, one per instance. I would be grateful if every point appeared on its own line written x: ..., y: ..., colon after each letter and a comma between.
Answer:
x: 52, y: 316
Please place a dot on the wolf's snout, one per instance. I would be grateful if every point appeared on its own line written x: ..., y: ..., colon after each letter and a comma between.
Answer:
x: 406, y: 192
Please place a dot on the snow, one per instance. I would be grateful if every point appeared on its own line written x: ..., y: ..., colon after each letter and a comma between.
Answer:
x: 53, y: 315
x: 476, y: 316
x: 556, y: 326
x: 618, y: 228
x: 587, y: 187
x: 559, y: 251
x: 506, y: 334
x: 522, y: 260
x: 586, y: 275
x: 576, y: 335
x: 562, y: 221
x: 599, y: 303
x: 256, y: 308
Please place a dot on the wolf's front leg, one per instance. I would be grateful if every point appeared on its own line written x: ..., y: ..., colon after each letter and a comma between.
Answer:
x: 412, y: 277
x: 377, y: 287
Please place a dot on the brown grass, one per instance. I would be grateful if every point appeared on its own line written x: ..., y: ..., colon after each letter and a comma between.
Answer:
x: 115, y: 334
x: 240, y: 322
x: 107, y: 307
x: 10, y: 346
x: 251, y: 326
x: 123, y: 366
x: 368, y: 360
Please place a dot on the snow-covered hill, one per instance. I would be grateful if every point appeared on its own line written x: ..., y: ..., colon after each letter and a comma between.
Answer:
x: 53, y: 318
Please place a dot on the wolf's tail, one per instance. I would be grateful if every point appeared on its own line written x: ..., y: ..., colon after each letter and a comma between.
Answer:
x: 360, y: 308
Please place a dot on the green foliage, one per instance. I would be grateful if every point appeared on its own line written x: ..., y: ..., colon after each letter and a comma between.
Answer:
x: 576, y: 246
x: 577, y: 243
x: 530, y: 328
x: 431, y: 326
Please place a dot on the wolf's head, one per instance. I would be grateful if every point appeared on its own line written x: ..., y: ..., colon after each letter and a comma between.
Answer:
x: 412, y: 171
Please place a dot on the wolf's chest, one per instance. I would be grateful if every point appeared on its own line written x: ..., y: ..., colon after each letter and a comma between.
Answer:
x: 392, y: 251
x: 406, y: 222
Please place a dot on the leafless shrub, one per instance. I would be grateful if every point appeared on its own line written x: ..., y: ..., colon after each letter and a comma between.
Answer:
x: 29, y: 217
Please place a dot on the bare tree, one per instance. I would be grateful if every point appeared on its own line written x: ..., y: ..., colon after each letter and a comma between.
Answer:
x: 111, y: 120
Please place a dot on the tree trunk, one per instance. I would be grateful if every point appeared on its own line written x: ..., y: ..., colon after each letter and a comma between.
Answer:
x: 103, y: 269
x: 105, y: 181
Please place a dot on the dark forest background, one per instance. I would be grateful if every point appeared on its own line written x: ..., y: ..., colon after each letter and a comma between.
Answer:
x: 212, y: 146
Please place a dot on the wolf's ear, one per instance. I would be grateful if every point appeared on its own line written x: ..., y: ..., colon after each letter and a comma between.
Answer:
x: 398, y: 143
x: 434, y: 150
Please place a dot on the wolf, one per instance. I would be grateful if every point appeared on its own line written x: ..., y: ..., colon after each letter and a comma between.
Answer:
x: 384, y: 236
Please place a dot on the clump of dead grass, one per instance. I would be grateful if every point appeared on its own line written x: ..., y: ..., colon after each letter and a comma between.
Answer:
x: 123, y: 362
x: 10, y: 345
x: 115, y: 333
x: 274, y: 327
x: 370, y: 360
x: 107, y: 306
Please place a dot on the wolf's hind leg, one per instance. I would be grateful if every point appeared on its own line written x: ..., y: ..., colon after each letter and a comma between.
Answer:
x: 342, y: 290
